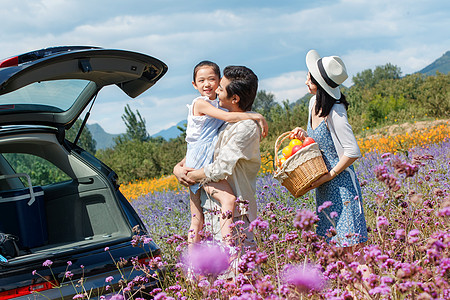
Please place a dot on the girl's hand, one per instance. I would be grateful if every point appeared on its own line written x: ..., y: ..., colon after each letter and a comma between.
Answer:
x: 263, y: 124
x: 298, y: 133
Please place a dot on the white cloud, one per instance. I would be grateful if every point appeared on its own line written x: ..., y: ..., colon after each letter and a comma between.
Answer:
x: 290, y: 86
x: 270, y: 37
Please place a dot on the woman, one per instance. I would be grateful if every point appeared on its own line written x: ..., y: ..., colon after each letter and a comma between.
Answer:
x: 328, y: 126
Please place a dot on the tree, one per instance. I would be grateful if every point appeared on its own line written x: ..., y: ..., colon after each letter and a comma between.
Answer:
x: 369, y: 78
x: 263, y: 103
x: 136, y: 129
x: 86, y: 140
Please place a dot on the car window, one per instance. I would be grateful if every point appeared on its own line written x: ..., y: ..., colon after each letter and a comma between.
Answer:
x: 55, y: 95
x: 41, y: 171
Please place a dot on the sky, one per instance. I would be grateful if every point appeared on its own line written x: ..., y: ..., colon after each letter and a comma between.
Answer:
x: 270, y: 37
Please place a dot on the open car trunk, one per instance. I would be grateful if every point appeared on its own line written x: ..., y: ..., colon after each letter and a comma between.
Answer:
x: 81, y: 210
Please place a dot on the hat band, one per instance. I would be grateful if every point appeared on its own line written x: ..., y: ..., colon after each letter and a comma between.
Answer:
x: 325, y: 77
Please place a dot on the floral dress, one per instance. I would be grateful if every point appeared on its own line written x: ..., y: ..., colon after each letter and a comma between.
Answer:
x: 350, y: 223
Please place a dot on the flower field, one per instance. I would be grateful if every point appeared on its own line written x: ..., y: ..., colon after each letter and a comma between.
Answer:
x: 389, y: 143
x: 406, y: 194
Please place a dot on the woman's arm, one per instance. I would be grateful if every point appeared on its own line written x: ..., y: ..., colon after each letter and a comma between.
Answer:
x: 343, y: 164
x: 203, y: 107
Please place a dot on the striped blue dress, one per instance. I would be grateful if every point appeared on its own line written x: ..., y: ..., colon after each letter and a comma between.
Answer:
x: 201, y: 138
x: 350, y: 222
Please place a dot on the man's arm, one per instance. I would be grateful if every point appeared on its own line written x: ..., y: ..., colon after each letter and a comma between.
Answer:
x: 180, y: 171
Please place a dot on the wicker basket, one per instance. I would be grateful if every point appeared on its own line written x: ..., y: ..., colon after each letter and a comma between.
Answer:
x: 301, y: 169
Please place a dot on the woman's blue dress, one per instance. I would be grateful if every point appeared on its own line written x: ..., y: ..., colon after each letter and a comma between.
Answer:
x: 350, y: 222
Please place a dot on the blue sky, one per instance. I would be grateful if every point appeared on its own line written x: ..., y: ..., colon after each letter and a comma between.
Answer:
x: 270, y: 37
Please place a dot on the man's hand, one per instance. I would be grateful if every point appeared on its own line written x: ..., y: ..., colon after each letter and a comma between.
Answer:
x: 196, y: 175
x: 180, y: 171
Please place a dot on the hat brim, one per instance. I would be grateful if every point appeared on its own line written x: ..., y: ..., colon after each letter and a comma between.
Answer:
x: 311, y: 63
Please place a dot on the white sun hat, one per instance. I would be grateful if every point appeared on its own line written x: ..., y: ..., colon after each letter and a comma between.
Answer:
x: 329, y: 72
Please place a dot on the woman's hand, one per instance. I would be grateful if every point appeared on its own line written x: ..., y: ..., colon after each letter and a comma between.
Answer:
x: 322, y: 179
x: 180, y: 171
x: 298, y: 133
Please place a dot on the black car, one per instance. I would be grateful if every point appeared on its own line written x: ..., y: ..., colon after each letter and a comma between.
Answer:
x: 73, y: 232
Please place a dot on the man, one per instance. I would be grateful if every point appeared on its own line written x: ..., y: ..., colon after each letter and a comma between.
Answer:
x: 236, y: 157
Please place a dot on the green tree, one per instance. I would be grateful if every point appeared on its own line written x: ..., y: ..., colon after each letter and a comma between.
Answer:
x: 86, y: 141
x: 136, y: 129
x: 368, y: 78
x: 263, y: 103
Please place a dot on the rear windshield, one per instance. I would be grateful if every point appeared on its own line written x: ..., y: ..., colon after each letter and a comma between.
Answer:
x: 54, y: 96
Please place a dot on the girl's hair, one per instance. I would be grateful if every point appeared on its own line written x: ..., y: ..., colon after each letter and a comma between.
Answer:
x: 324, y: 102
x: 206, y: 63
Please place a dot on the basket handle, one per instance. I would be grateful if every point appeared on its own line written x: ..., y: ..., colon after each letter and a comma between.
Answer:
x: 278, y: 143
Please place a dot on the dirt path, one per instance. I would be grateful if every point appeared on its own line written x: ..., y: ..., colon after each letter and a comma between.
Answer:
x: 406, y: 127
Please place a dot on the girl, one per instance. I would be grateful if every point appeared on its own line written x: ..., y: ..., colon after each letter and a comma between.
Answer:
x: 328, y: 126
x: 204, y: 120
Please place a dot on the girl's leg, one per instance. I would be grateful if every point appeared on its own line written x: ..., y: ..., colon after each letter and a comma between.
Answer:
x: 222, y: 192
x: 197, y: 219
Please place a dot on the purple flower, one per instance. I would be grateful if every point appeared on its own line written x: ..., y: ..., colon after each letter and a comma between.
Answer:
x: 68, y: 274
x: 109, y: 279
x: 324, y: 205
x: 246, y: 288
x: 207, y: 259
x: 34, y: 272
x: 382, y: 289
x: 117, y: 297
x: 274, y: 237
x: 400, y: 234
x: 47, y: 263
x: 444, y: 212
x: 333, y: 214
x: 305, y: 219
x: 304, y: 278
x: 106, y: 248
x: 258, y: 224
x: 414, y: 232
x: 69, y: 263
x: 382, y: 221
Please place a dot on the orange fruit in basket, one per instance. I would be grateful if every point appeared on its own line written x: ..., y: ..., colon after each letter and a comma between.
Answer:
x: 282, y: 160
x: 295, y: 142
x: 287, y: 152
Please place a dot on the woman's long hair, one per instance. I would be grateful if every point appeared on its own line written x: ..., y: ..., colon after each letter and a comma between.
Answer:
x: 324, y: 102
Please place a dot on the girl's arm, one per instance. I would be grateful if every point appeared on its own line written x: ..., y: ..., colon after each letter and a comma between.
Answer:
x: 204, y: 108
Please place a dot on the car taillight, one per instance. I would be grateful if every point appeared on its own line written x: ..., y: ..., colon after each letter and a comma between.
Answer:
x: 26, y: 290
x: 146, y: 260
x: 9, y: 62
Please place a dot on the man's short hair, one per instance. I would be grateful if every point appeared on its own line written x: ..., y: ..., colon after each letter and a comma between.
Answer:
x: 244, y: 83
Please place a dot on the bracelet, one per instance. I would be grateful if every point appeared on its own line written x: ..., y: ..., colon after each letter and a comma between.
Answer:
x: 335, y: 174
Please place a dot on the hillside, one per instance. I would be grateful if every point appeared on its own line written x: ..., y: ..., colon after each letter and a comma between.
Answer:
x: 102, y: 138
x: 442, y: 64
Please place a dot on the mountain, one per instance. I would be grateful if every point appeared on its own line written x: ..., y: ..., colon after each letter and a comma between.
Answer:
x: 102, y: 138
x: 442, y: 64
x: 171, y: 132
x: 106, y: 140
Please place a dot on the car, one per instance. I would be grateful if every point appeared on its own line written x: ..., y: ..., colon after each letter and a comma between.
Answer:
x: 65, y: 228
